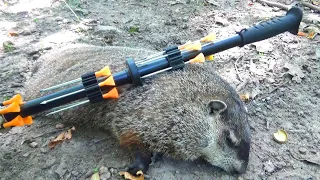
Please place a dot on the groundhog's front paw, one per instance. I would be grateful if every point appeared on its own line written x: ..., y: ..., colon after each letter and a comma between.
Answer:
x: 138, y: 166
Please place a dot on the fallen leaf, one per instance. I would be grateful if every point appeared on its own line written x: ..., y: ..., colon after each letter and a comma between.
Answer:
x: 311, y: 35
x: 13, y: 34
x: 61, y: 137
x: 128, y: 176
x: 95, y: 176
x: 312, y: 31
x: 300, y: 33
x: 245, y: 97
x: 68, y: 135
x: 281, y: 136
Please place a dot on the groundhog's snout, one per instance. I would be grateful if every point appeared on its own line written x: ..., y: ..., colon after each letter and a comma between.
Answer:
x: 243, y: 154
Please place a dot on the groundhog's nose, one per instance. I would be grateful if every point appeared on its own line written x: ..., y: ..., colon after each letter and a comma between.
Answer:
x: 243, y: 154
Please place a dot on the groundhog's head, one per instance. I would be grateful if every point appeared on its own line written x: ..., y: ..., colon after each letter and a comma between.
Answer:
x: 229, y: 144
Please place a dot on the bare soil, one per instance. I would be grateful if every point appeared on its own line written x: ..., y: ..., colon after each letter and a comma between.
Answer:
x: 282, y: 73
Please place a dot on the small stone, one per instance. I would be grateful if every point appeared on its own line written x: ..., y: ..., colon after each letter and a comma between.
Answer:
x: 43, y: 150
x: 185, y: 19
x: 222, y: 21
x: 185, y: 26
x: 177, y: 172
x: 49, y: 162
x: 276, y: 9
x: 103, y: 170
x: 270, y: 80
x: 33, y: 144
x: 318, y: 92
x: 75, y: 173
x: 198, y: 165
x: 59, y: 126
x: 199, y: 30
x: 84, y: 12
x: 88, y: 174
x: 113, y: 171
x: 300, y: 113
x: 105, y: 176
x: 263, y: 46
x: 26, y: 154
x: 58, y: 18
x: 15, y: 85
x: 295, y: 165
x: 264, y: 113
x: 35, y: 57
x: 66, y: 21
x: 303, y: 150
x: 269, y: 167
x: 32, y: 52
x: 26, y: 32
x: 61, y: 169
x: 314, y: 101
x: 107, y: 30
x: 48, y: 47
x: 39, y: 178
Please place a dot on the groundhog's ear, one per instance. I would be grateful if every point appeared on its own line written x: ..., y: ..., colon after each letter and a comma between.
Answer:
x: 217, y: 106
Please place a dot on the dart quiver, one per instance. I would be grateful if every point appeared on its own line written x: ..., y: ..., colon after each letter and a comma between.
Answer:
x: 101, y: 85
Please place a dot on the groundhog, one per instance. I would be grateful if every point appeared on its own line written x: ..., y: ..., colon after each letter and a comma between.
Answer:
x: 185, y: 114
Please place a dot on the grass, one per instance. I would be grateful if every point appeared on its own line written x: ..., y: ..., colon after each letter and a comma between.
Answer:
x: 8, y: 47
x: 133, y: 29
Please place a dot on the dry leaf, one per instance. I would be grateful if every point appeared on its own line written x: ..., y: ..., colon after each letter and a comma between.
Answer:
x: 127, y: 175
x: 311, y: 35
x: 13, y: 34
x: 68, y: 134
x: 244, y: 97
x: 95, y: 176
x: 61, y: 137
x: 300, y: 33
x: 312, y: 31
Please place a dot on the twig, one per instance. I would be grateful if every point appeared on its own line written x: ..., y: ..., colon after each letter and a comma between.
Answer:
x: 72, y: 10
x: 311, y: 6
x: 275, y: 4
x: 287, y: 7
x: 236, y: 68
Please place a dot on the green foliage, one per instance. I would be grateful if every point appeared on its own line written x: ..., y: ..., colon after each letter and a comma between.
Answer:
x: 5, y: 98
x: 8, y: 47
x: 133, y: 29
x: 95, y: 170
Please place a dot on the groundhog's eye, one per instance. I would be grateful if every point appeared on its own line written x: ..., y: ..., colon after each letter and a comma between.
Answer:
x: 231, y: 139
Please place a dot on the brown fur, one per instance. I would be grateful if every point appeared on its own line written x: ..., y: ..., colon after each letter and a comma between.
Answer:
x: 170, y: 113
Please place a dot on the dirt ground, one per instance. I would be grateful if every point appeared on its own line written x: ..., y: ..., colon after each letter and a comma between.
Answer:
x: 281, y: 73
